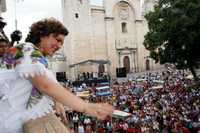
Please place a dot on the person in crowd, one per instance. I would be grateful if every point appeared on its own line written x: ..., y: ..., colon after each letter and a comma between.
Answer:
x: 4, y: 41
x: 81, y: 128
x: 75, y: 121
x: 2, y: 33
x: 32, y: 88
x: 5, y: 44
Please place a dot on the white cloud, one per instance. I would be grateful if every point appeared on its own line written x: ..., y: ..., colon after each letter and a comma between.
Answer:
x: 29, y: 11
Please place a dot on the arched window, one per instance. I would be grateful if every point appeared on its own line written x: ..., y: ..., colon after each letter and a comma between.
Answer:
x: 126, y: 63
x: 76, y: 15
x: 147, y: 65
x: 124, y: 27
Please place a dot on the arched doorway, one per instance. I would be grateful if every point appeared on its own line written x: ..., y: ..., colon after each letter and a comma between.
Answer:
x: 126, y: 62
x: 101, y: 69
x: 147, y: 65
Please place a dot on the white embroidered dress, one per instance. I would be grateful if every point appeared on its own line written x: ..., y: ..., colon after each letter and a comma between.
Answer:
x: 16, y: 90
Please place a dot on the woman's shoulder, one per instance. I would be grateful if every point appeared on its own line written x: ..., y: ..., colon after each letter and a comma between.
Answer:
x: 25, y: 49
x: 27, y: 59
x: 21, y: 52
x: 27, y: 53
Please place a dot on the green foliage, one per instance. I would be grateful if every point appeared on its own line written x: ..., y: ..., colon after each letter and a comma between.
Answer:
x: 174, y: 33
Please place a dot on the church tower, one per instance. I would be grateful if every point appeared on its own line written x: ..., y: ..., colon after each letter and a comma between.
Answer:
x: 107, y: 38
x: 77, y: 19
x: 2, y: 6
x: 124, y: 35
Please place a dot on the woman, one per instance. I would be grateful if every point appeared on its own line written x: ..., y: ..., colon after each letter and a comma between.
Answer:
x: 29, y: 94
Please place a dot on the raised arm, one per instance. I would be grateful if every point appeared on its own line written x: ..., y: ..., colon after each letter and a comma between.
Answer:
x: 61, y: 94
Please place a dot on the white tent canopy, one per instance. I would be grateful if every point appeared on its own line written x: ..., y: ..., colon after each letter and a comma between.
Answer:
x: 102, y: 88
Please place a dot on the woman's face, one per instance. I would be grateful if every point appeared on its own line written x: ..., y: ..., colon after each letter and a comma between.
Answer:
x: 50, y: 44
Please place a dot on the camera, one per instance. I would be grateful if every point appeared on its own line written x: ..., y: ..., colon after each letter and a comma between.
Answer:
x: 16, y: 36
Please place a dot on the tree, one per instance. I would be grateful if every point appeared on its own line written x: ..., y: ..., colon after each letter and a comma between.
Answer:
x: 174, y: 33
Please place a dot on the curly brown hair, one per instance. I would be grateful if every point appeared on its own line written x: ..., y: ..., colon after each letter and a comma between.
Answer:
x: 44, y: 28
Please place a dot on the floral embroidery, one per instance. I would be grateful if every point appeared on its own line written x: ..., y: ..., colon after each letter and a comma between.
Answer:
x: 13, y: 50
x: 19, y: 52
x: 15, y: 55
x: 9, y: 59
x: 44, y: 61
x: 34, y: 97
x: 36, y: 53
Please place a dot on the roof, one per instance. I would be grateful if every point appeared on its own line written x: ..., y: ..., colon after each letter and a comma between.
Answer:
x: 91, y: 61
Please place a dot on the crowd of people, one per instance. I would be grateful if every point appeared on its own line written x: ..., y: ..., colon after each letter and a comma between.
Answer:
x: 161, y: 102
x: 30, y: 93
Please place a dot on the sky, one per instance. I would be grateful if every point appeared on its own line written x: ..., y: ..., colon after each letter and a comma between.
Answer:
x: 28, y: 11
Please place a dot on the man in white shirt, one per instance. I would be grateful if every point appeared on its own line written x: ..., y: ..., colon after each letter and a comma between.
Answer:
x: 81, y: 128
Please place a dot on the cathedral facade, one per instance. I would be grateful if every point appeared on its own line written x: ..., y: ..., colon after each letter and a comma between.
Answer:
x: 105, y: 38
x: 2, y: 6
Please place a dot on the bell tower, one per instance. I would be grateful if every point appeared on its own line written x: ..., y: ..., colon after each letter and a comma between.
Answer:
x: 77, y: 19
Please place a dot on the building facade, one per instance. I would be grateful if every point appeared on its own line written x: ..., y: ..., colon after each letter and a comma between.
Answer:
x: 104, y: 38
x: 3, y: 37
x: 2, y: 6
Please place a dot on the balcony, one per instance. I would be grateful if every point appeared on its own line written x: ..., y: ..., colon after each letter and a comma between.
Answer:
x: 125, y: 44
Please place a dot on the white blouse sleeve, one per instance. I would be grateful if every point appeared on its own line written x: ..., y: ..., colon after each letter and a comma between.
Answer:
x: 29, y: 66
